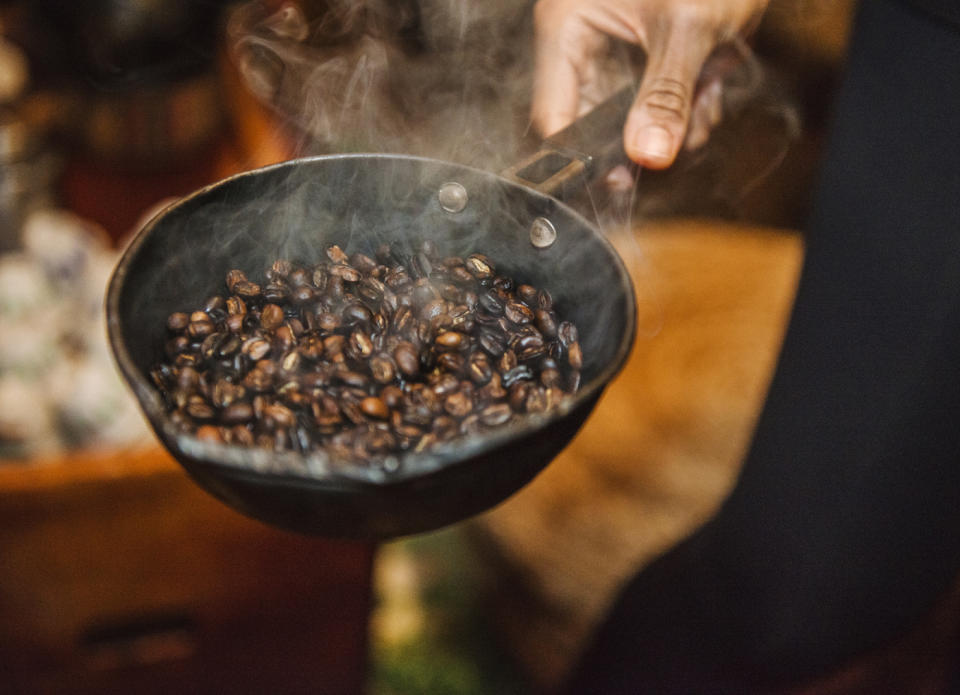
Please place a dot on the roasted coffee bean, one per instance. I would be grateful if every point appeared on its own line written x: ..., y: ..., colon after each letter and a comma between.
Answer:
x: 444, y: 384
x: 490, y: 303
x: 276, y: 292
x: 199, y: 409
x: 345, y: 273
x: 351, y: 378
x: 372, y: 289
x: 258, y: 380
x: 249, y: 290
x: 178, y: 321
x: 302, y: 294
x: 177, y: 345
x: 256, y: 348
x: 363, y: 356
x: 479, y: 266
x: 458, y: 404
x: 336, y: 254
x: 492, y: 343
x: 240, y: 436
x: 575, y: 356
x: 278, y: 415
x: 210, y: 433
x: 280, y: 269
x: 361, y: 342
x: 536, y: 401
x: 551, y: 377
x: 234, y: 278
x: 527, y: 294
x: 546, y: 322
x: 284, y: 337
x: 432, y: 309
x: 517, y: 395
x: 479, y: 368
x: 407, y: 358
x: 545, y: 300
x: 382, y: 368
x: 530, y: 346
x: 375, y: 407
x: 299, y: 277
x: 452, y: 362
x: 496, y: 415
x: 508, y: 360
x: 295, y: 325
x: 521, y: 372
x: 518, y: 312
x: 422, y: 266
x: 451, y: 340
x: 567, y: 333
x: 200, y: 325
x: 234, y: 323
x: 363, y: 263
x: 237, y: 413
x: 271, y: 316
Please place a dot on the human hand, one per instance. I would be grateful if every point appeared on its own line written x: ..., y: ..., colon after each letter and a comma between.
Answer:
x: 680, y: 96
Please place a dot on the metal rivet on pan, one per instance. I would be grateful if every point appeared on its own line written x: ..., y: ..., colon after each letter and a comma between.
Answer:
x: 542, y: 233
x: 453, y: 197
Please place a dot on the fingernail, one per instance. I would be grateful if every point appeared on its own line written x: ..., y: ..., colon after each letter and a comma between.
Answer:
x: 654, y: 142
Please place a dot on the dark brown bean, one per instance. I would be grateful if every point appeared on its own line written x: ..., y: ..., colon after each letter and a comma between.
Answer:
x: 546, y: 322
x: 567, y: 333
x: 382, y: 368
x: 479, y: 266
x: 249, y: 290
x: 496, y: 415
x: 237, y: 413
x: 336, y: 254
x: 518, y: 312
x: 210, y: 433
x: 271, y: 316
x: 575, y: 356
x: 375, y: 407
x: 178, y: 321
x: 407, y: 358
x: 451, y: 340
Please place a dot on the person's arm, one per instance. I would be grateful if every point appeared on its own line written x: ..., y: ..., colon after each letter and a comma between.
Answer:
x: 677, y: 102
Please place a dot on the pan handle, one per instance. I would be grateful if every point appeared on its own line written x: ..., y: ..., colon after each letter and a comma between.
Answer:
x: 570, y: 158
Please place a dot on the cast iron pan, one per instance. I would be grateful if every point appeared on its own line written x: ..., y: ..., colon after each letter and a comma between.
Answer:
x: 295, y: 210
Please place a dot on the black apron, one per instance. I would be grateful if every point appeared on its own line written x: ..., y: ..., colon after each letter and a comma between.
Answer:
x: 844, y: 527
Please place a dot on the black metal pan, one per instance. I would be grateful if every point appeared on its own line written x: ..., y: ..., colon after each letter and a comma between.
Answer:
x: 295, y: 210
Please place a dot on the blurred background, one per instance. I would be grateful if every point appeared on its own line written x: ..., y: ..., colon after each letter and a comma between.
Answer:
x: 117, y: 574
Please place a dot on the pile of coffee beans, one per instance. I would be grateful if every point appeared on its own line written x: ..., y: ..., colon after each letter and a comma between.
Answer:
x: 366, y: 356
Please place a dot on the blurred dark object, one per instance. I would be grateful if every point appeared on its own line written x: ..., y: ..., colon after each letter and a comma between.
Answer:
x: 119, y: 44
x: 138, y: 110
x: 136, y: 80
x: 27, y: 172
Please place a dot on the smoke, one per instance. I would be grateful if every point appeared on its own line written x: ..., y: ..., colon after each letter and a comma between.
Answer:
x: 448, y: 79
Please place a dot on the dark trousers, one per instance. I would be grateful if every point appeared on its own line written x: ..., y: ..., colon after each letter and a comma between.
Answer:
x: 844, y: 527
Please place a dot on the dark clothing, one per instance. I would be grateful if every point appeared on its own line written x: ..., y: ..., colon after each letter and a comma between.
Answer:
x: 844, y: 527
x: 944, y: 10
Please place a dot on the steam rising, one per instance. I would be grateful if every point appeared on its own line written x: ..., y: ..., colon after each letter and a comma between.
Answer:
x: 448, y: 79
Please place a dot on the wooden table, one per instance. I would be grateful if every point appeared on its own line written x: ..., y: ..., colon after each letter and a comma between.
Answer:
x: 118, y: 574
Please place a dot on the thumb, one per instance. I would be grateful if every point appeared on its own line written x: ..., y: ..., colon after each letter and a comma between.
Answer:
x: 657, y: 123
